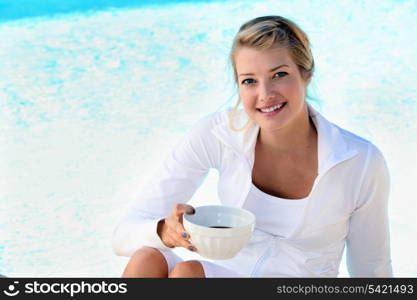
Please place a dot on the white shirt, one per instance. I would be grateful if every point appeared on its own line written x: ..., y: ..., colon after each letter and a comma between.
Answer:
x: 347, y: 204
x: 274, y: 215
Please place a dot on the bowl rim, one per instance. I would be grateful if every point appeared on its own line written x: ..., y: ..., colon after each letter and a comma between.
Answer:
x: 250, y: 223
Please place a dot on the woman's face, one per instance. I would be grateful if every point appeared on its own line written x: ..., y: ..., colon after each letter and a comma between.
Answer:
x: 271, y: 87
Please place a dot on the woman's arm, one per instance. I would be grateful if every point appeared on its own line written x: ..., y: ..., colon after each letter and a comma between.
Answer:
x: 368, y: 242
x: 176, y: 181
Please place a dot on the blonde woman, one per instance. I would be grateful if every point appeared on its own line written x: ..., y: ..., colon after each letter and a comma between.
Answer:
x: 314, y: 187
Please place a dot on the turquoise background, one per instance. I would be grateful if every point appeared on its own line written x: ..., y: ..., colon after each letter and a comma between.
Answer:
x: 94, y: 94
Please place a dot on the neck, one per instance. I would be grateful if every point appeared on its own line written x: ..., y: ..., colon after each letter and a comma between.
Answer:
x: 296, y: 139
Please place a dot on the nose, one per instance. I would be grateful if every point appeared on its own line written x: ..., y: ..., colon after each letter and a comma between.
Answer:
x: 266, y: 91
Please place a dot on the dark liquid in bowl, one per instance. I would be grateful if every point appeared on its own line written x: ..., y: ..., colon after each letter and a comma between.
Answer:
x: 220, y: 227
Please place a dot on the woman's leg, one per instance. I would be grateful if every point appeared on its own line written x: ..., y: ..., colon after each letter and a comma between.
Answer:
x: 202, y: 269
x: 147, y: 262
x: 187, y: 269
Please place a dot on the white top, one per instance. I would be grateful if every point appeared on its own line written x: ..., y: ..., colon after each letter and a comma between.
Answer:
x: 348, y: 204
x: 274, y: 215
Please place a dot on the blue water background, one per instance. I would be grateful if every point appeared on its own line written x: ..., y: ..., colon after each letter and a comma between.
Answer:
x: 18, y: 9
x: 93, y: 97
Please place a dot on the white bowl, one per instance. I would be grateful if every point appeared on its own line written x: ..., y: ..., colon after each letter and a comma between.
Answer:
x: 219, y: 243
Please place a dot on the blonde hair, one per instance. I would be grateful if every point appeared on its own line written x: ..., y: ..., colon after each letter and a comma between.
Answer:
x: 267, y: 32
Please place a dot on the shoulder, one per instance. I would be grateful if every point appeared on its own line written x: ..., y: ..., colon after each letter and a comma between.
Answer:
x: 371, y: 171
x: 344, y: 141
x: 209, y: 121
x: 369, y: 157
x: 365, y: 147
x: 201, y: 134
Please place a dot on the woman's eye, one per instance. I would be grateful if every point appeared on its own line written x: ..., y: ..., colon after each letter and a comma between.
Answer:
x: 247, y: 81
x: 281, y: 74
x: 251, y: 81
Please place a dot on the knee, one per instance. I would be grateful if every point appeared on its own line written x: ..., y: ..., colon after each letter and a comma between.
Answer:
x: 146, y: 262
x: 146, y: 254
x: 187, y: 269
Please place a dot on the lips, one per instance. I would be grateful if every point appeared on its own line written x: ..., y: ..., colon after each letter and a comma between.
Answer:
x: 272, y: 109
x: 271, y: 106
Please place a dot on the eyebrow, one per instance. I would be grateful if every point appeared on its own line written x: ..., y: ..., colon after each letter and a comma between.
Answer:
x: 273, y: 69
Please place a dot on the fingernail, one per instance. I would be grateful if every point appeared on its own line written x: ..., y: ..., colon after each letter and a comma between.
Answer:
x: 193, y: 212
x: 184, y: 234
x: 191, y: 248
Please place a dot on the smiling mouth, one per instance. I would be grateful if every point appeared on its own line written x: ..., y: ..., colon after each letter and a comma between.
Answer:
x: 272, y: 109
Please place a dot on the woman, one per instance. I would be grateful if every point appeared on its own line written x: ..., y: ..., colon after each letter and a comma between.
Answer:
x: 313, y: 187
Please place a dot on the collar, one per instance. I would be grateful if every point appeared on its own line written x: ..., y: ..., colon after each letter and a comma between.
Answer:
x: 332, y: 145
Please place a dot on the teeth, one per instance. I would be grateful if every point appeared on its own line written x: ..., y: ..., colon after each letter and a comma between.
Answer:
x: 272, y: 108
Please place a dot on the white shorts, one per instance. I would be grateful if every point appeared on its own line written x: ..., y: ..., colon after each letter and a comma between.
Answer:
x: 210, y: 269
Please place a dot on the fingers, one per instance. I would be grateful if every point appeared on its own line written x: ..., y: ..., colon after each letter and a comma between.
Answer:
x: 177, y: 213
x: 175, y: 233
x: 181, y: 208
x: 179, y: 238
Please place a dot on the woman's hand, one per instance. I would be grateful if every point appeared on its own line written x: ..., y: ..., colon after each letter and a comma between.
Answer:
x: 172, y: 232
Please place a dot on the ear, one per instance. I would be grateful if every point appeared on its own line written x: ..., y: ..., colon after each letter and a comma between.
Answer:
x: 307, y: 77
